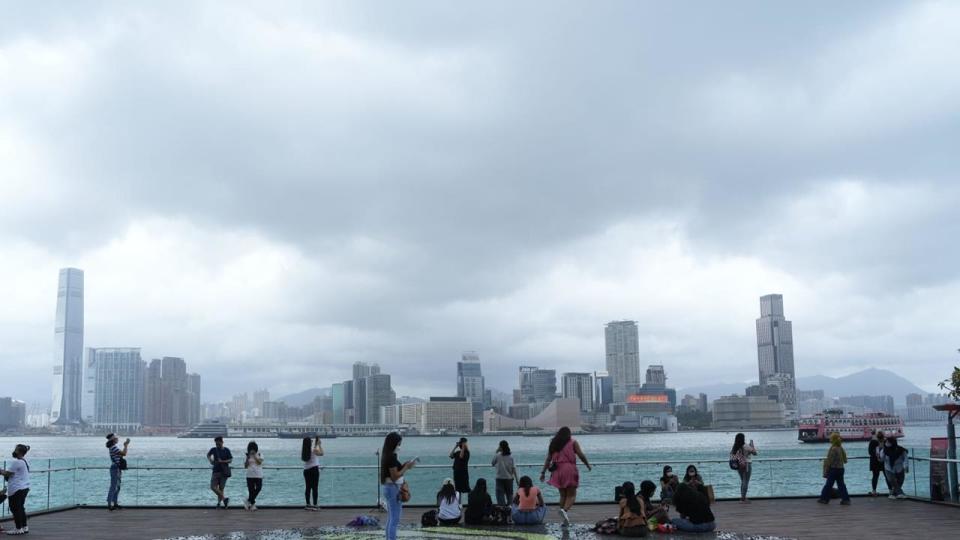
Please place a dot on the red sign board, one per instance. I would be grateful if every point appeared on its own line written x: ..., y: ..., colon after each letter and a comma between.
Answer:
x: 647, y: 398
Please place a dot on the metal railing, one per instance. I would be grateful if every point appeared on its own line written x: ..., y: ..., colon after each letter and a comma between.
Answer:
x: 81, y: 484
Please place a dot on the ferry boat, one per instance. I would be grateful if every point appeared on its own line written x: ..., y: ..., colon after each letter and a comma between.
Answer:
x: 205, y: 430
x: 852, y: 427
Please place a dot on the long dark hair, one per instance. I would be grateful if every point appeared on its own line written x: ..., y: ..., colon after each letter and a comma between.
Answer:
x: 479, y: 493
x: 447, y: 493
x: 738, y: 442
x: 504, y: 448
x: 388, y: 453
x: 252, y: 447
x: 525, y: 484
x: 647, y: 489
x: 687, y: 476
x: 305, y: 449
x: 629, y: 493
x: 560, y: 440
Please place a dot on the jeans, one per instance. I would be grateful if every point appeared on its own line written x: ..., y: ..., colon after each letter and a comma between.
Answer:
x: 744, y: 472
x: 528, y: 517
x: 254, y: 485
x: 895, y: 480
x: 311, y: 481
x: 16, y: 503
x: 114, y: 493
x: 391, y: 496
x: 504, y: 491
x: 834, y: 476
x: 686, y: 525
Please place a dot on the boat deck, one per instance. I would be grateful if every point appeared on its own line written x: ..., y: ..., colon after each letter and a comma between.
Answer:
x: 777, y: 518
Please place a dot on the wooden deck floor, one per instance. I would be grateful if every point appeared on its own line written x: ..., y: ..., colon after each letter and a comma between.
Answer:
x: 789, y: 518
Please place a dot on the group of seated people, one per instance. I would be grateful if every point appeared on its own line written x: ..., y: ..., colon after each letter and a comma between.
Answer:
x: 528, y: 507
x: 689, y: 499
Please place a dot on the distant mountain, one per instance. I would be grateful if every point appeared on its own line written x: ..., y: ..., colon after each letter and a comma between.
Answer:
x: 869, y: 382
x: 302, y: 398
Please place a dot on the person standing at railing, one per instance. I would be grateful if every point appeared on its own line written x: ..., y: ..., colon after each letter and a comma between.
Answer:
x: 18, y: 486
x: 220, y: 457
x: 394, y: 485
x: 506, y: 474
x: 741, y: 454
x: 561, y: 461
x: 253, y: 464
x: 461, y: 463
x: 875, y: 453
x: 118, y: 463
x: 311, y: 472
x: 833, y: 468
x: 895, y: 466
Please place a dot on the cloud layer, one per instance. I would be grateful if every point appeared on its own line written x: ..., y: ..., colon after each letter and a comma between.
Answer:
x: 274, y: 193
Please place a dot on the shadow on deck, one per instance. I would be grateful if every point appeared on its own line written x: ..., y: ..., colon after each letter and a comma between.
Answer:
x: 769, y: 518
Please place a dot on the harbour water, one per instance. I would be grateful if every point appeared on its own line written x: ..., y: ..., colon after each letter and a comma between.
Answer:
x: 171, y: 471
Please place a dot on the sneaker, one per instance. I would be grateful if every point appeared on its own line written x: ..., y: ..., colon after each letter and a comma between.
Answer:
x: 891, y: 496
x: 226, y: 502
x: 564, y: 517
x: 845, y: 503
x: 902, y: 496
x: 307, y: 508
x: 26, y: 529
x: 821, y: 501
x: 246, y: 504
x: 253, y: 507
x: 16, y: 531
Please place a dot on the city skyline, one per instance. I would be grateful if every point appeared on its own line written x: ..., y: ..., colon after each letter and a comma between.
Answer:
x: 409, y: 182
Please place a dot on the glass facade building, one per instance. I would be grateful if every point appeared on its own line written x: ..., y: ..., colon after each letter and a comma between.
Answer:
x: 66, y: 405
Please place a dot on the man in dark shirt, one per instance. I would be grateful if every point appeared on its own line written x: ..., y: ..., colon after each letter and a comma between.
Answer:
x: 220, y: 457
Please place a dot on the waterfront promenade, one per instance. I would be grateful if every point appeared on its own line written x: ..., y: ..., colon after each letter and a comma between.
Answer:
x: 765, y: 518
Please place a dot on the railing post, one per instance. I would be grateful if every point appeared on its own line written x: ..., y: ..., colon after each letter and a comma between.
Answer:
x: 912, y: 457
x: 136, y: 485
x: 379, y: 501
x: 49, y: 474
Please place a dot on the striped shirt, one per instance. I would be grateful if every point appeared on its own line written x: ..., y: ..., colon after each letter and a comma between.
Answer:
x: 115, y: 454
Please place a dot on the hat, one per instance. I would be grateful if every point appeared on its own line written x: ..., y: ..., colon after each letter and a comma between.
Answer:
x: 448, y: 481
x: 109, y: 436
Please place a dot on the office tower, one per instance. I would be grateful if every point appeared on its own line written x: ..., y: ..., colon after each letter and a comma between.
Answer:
x: 378, y: 394
x: 656, y: 377
x: 775, y: 349
x: 13, y: 413
x: 470, y: 385
x: 623, y: 358
x: 603, y: 390
x: 348, y: 416
x: 68, y: 349
x: 168, y: 395
x: 336, y: 392
x: 537, y: 385
x: 361, y: 371
x: 259, y: 396
x: 193, y: 391
x: 579, y: 386
x: 113, y: 388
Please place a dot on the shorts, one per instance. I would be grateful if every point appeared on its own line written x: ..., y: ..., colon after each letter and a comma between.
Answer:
x: 218, y: 480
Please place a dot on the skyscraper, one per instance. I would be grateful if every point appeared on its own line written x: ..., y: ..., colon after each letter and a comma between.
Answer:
x: 113, y: 388
x: 470, y: 383
x: 68, y: 349
x: 580, y: 386
x: 623, y: 358
x: 361, y: 370
x: 775, y: 349
x: 336, y: 392
x: 169, y: 398
x: 537, y: 385
x: 378, y: 394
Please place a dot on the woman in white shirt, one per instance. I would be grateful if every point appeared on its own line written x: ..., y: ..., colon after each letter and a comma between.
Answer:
x: 18, y: 486
x: 253, y: 464
x: 448, y: 501
x: 311, y: 471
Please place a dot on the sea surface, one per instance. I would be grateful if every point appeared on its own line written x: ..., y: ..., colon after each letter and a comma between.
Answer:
x: 171, y: 471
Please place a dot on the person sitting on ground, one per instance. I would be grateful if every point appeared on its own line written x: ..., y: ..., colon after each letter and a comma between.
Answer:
x: 448, y: 502
x: 694, y: 509
x: 479, y: 505
x: 528, y: 506
x: 668, y: 485
x: 693, y: 479
x: 630, y: 522
x: 650, y: 511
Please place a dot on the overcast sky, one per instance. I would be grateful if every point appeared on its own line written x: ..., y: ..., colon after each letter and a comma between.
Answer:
x: 274, y: 190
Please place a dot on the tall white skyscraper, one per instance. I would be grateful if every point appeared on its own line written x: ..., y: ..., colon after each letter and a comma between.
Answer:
x: 580, y: 386
x: 623, y: 358
x: 68, y: 349
x: 775, y: 349
x: 470, y: 383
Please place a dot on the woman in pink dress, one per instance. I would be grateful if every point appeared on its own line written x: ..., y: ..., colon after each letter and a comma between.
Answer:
x: 562, y: 463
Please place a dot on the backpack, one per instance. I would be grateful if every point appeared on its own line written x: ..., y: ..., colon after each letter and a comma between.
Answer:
x: 606, y: 526
x: 429, y: 519
x: 734, y: 462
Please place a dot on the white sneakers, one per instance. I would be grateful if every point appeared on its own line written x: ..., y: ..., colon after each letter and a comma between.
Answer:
x: 24, y: 530
x: 246, y: 504
x: 564, y: 517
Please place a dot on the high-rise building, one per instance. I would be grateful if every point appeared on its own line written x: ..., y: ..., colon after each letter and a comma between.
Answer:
x: 259, y: 396
x: 336, y: 392
x: 361, y: 370
x: 775, y: 349
x: 604, y: 390
x: 579, y: 386
x: 348, y: 416
x: 378, y: 394
x: 623, y: 358
x: 68, y: 349
x: 470, y: 382
x: 113, y: 388
x: 169, y: 394
x: 13, y: 413
x: 537, y: 385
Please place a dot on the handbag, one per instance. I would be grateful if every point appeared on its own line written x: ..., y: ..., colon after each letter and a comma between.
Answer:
x: 710, y: 495
x: 122, y: 464
x: 553, y: 466
x: 404, y: 493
